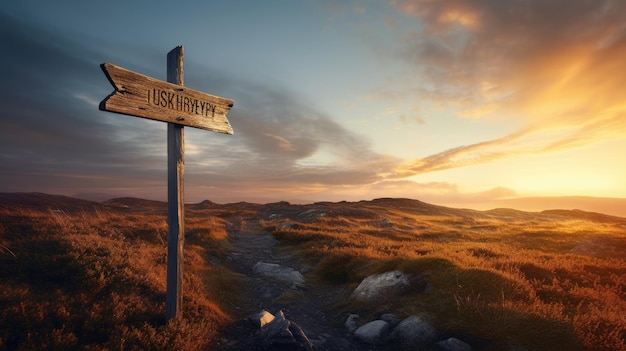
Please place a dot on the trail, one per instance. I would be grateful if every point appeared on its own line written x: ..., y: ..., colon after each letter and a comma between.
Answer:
x: 308, y: 307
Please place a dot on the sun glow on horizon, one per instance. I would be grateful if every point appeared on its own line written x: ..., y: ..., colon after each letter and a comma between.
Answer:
x: 447, y: 102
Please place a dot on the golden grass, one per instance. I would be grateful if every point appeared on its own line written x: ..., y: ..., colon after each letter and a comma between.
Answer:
x: 95, y: 280
x: 504, y: 277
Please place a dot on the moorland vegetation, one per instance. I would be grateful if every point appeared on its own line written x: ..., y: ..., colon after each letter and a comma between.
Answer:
x: 554, y: 280
x: 85, y: 275
x: 79, y: 275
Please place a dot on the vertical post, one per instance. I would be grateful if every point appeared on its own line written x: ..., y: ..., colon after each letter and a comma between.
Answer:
x: 175, y: 199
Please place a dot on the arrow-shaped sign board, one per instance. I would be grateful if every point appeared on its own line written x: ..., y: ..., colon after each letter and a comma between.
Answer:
x: 143, y: 96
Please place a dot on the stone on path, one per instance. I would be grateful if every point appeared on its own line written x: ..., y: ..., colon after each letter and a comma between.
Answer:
x: 373, y: 332
x: 261, y: 319
x: 285, y: 275
x: 379, y: 286
x: 453, y: 344
x: 390, y: 318
x: 352, y: 322
x: 283, y: 334
x: 414, y: 331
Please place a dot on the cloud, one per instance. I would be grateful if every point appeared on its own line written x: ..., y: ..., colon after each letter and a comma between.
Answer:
x: 556, y: 67
x: 281, y: 146
x: 57, y: 141
x: 46, y: 127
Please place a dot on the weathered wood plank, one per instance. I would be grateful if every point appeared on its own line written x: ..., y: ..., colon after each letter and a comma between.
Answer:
x: 142, y: 96
x: 175, y: 197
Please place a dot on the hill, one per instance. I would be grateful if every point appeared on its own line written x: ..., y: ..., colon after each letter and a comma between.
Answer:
x: 78, y: 274
x: 610, y: 206
x: 42, y: 202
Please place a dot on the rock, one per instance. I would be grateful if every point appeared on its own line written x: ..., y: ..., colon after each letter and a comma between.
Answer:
x: 352, y: 323
x: 270, y: 292
x: 283, y: 334
x: 390, y: 318
x: 381, y: 286
x: 261, y: 319
x: 414, y: 331
x: 453, y: 344
x: 373, y: 332
x: 285, y: 275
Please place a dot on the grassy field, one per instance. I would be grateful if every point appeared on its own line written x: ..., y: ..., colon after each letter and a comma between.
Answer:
x: 554, y: 280
x: 78, y: 275
x: 92, y: 277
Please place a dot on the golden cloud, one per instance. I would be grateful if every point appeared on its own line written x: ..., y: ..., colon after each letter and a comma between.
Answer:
x: 558, y: 67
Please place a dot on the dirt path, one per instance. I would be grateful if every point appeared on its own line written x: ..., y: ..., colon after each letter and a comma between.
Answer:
x: 308, y: 307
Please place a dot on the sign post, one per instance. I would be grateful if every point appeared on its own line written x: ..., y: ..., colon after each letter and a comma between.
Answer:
x: 142, y: 96
x: 175, y: 195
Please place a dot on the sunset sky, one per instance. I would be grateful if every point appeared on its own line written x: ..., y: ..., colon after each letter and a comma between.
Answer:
x: 459, y: 103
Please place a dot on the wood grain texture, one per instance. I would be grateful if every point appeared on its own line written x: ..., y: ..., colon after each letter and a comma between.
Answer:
x: 142, y: 96
x: 175, y: 197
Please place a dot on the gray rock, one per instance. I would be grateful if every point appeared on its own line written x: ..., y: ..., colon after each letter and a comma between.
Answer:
x: 414, y: 331
x: 373, y: 332
x: 270, y: 292
x: 283, y: 334
x: 352, y: 322
x: 390, y: 318
x: 381, y: 286
x: 285, y: 275
x: 453, y: 344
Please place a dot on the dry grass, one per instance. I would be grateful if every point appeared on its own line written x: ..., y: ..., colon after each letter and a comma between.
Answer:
x: 549, y: 281
x: 94, y: 279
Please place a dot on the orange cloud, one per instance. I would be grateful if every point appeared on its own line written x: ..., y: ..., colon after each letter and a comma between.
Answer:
x: 555, y: 66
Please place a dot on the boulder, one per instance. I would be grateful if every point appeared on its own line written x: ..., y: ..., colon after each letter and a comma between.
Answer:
x: 414, y: 330
x: 373, y: 332
x: 283, y: 334
x: 282, y: 274
x: 453, y: 344
x: 382, y: 286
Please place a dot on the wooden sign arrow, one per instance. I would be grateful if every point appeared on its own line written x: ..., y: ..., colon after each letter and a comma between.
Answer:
x: 143, y: 96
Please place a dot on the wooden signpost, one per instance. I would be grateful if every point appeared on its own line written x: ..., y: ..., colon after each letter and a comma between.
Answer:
x: 142, y: 96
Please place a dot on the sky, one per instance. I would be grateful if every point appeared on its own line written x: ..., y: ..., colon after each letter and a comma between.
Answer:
x: 458, y: 103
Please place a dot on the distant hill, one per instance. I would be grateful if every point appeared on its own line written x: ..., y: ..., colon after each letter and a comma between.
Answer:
x: 575, y: 206
x: 611, y: 206
x: 134, y: 203
x: 41, y: 201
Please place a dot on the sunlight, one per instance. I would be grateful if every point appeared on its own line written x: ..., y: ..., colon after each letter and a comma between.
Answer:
x: 563, y: 183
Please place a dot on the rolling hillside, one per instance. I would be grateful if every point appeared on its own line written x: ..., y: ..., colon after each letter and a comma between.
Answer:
x: 78, y: 274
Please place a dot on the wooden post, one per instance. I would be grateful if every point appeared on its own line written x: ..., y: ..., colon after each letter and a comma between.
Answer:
x: 175, y: 196
x: 142, y: 96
